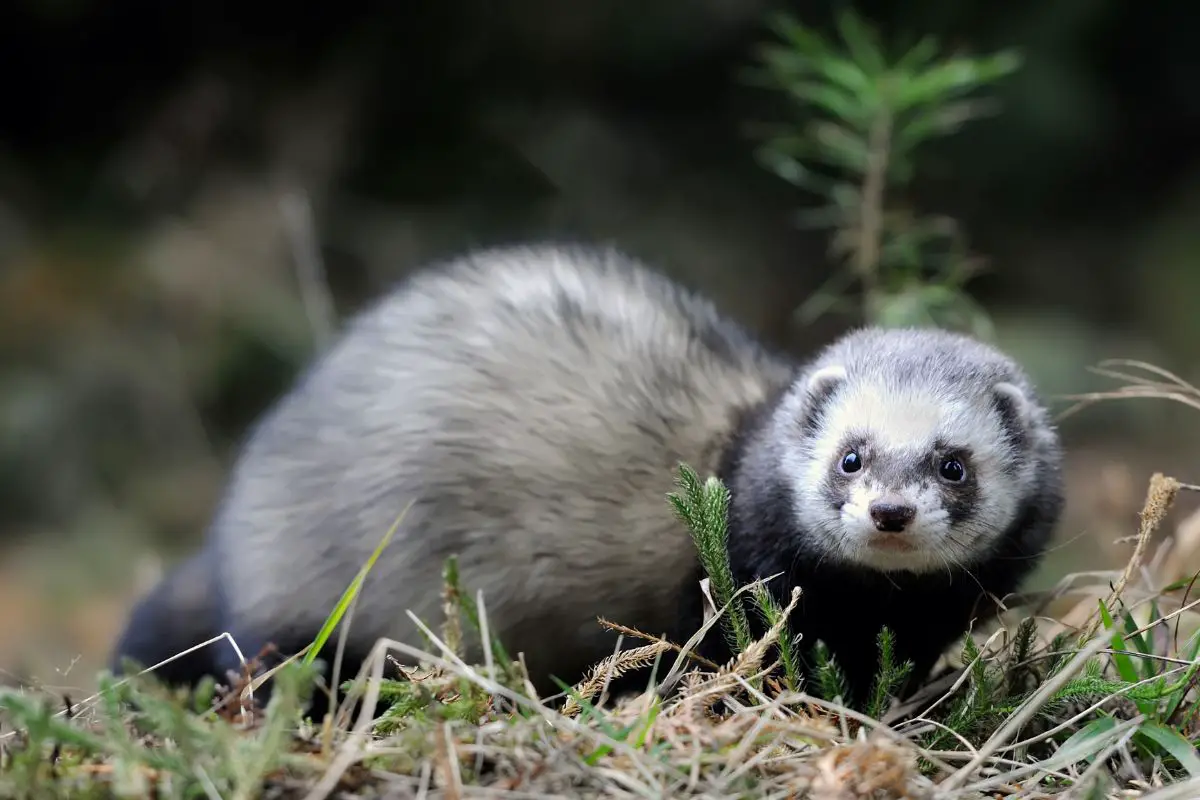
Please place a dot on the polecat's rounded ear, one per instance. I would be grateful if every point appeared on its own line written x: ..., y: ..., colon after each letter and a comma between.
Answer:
x: 818, y: 388
x: 1012, y: 404
x: 822, y: 382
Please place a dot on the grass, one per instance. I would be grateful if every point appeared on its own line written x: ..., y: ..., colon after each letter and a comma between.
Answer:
x: 1089, y: 690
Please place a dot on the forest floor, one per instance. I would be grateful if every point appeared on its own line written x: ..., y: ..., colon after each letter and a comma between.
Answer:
x: 1088, y: 689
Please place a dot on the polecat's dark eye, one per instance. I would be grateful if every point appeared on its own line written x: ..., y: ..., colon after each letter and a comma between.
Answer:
x: 851, y: 462
x: 951, y: 469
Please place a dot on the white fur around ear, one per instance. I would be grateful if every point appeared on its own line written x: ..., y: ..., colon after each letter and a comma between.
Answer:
x: 1012, y: 395
x: 825, y: 379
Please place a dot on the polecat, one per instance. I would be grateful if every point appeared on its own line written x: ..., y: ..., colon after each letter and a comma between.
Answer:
x: 533, y: 403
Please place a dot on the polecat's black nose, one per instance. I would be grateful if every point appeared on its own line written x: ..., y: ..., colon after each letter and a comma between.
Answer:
x: 891, y: 517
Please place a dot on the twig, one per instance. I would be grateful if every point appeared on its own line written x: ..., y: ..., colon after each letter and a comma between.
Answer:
x: 296, y: 211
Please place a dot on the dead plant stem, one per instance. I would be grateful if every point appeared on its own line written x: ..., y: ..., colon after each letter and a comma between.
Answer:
x: 870, y: 240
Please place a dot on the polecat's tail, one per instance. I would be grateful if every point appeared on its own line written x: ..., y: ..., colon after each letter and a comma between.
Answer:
x: 178, y: 613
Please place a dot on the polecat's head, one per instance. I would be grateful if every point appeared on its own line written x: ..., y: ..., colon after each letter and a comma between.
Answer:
x: 910, y: 449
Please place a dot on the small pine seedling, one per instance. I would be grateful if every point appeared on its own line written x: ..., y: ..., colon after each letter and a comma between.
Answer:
x: 704, y: 508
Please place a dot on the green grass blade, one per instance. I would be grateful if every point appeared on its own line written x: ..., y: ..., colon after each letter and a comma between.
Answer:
x: 1174, y: 743
x: 1124, y: 664
x: 1088, y: 740
x: 1191, y: 653
x: 351, y: 592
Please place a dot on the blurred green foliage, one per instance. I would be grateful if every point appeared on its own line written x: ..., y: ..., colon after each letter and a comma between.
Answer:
x: 865, y: 114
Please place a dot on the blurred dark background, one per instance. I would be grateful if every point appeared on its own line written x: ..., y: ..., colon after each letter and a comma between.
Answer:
x: 169, y: 172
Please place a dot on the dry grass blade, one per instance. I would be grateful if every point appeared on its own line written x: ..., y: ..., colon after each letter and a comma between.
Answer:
x: 612, y: 667
x: 667, y: 683
x: 1160, y: 496
x: 1169, y: 386
x: 703, y: 694
x: 626, y: 630
x: 1186, y: 790
x: 296, y: 210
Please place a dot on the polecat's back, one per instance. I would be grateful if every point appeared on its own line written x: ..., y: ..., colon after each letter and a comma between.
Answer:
x: 532, y: 405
